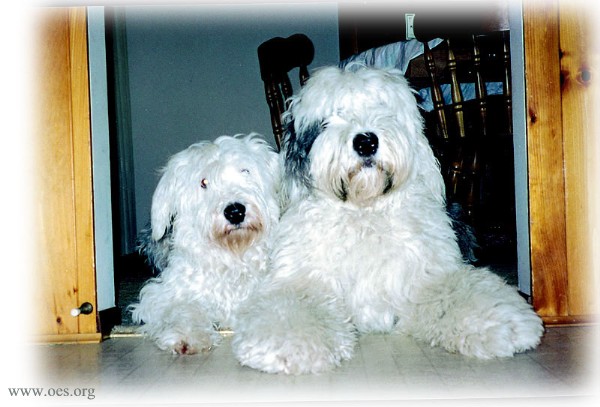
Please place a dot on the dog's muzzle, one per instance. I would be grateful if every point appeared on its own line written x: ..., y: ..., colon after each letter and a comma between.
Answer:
x: 365, y: 144
x: 235, y: 213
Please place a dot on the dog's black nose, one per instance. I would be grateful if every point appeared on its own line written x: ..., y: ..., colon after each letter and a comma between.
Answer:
x: 366, y: 144
x: 235, y: 213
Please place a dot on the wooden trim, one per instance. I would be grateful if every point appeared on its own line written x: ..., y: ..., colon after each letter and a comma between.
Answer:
x: 579, y: 92
x: 570, y: 320
x: 545, y: 159
x: 66, y: 268
x: 82, y: 166
x: 69, y: 338
x: 54, y: 177
x: 563, y: 149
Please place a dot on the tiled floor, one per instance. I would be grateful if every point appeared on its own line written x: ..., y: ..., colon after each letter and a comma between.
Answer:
x: 385, y: 367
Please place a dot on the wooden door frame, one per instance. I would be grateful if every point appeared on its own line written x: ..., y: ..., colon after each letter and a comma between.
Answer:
x: 561, y: 270
x: 66, y: 265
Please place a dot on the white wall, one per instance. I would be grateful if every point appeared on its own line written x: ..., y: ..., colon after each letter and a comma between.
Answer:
x: 103, y: 237
x: 194, y: 74
x: 520, y: 146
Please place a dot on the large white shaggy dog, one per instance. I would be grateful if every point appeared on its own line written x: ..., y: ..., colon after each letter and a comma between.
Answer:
x: 215, y: 205
x: 366, y: 244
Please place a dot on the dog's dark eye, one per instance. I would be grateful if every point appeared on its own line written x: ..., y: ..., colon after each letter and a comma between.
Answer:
x: 204, y: 183
x: 245, y: 171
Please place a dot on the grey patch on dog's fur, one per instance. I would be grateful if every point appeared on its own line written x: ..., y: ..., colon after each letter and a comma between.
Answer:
x: 155, y: 252
x: 464, y: 232
x: 298, y: 149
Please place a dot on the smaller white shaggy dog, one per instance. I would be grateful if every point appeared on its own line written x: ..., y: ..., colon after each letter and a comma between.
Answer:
x: 216, y: 204
x: 366, y: 244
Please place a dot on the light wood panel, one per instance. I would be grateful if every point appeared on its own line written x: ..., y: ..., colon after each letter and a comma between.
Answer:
x: 544, y: 143
x: 580, y: 90
x: 562, y: 151
x: 65, y: 214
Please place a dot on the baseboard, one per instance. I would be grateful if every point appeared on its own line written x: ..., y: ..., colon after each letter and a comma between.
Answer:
x: 68, y: 338
x: 566, y: 320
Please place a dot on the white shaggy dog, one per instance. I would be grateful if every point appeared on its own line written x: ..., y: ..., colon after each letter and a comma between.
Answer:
x: 366, y: 244
x: 216, y: 203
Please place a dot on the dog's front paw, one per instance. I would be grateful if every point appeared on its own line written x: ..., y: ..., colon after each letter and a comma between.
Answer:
x: 294, y: 353
x: 504, y: 332
x: 186, y: 344
x: 477, y: 314
x: 184, y: 348
x: 294, y: 335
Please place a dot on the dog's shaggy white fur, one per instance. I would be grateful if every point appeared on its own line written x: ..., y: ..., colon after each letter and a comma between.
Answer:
x: 366, y: 244
x: 216, y: 203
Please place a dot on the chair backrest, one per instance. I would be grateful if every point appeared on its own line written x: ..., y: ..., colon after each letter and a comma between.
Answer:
x: 277, y: 57
x: 466, y: 133
x: 475, y: 76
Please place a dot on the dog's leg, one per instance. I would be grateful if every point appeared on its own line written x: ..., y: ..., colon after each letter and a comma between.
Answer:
x: 173, y: 325
x: 474, y: 312
x: 288, y: 332
x: 187, y: 340
x: 182, y: 331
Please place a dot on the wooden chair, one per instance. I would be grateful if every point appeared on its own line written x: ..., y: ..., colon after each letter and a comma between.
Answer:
x: 277, y: 57
x: 472, y: 139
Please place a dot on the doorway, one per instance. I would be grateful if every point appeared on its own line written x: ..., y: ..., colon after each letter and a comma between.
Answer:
x: 131, y: 270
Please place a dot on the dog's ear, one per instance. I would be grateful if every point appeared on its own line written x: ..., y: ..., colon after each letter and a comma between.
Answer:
x: 163, y: 204
x: 299, y: 142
